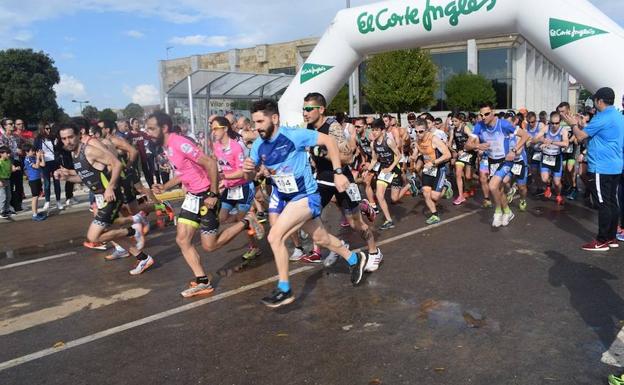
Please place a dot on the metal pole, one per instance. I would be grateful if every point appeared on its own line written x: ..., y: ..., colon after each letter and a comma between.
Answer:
x: 351, y: 81
x: 190, y: 97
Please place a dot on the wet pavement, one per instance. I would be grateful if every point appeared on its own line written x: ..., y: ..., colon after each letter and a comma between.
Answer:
x: 456, y: 303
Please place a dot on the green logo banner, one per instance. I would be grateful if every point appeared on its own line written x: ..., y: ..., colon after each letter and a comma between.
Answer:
x: 565, y: 32
x: 310, y: 71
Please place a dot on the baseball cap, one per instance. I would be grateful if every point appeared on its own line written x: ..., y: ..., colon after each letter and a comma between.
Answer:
x: 605, y: 94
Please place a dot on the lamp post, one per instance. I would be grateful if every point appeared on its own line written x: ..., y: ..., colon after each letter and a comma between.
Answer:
x: 80, y: 102
x: 168, y: 49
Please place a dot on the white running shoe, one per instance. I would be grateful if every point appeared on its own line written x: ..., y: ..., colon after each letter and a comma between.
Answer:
x: 333, y: 257
x: 142, y: 265
x: 296, y: 255
x: 374, y: 260
x: 59, y: 205
x: 46, y: 206
x: 498, y: 220
x: 507, y: 218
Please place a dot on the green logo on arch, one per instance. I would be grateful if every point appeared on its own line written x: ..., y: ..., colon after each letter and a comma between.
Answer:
x: 310, y: 71
x: 565, y: 32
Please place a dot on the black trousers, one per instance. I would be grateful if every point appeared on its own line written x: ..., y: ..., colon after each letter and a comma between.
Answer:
x: 605, y: 193
x: 17, y: 189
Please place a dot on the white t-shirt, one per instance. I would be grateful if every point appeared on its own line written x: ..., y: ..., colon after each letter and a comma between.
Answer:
x: 48, y: 150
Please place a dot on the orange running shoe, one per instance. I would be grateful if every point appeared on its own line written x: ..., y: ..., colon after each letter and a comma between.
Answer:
x: 197, y: 289
x: 94, y: 245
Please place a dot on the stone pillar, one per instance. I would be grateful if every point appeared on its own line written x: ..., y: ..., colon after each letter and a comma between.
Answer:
x: 473, y: 56
x: 519, y: 75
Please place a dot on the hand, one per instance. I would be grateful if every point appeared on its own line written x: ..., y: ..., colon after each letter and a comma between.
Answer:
x: 109, y: 194
x: 211, y: 202
x: 510, y: 156
x: 249, y: 166
x: 341, y: 182
x: 484, y: 146
x: 547, y: 142
x: 571, y: 120
x: 158, y: 188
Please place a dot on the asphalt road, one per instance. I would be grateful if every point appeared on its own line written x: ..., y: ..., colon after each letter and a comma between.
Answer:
x: 456, y: 303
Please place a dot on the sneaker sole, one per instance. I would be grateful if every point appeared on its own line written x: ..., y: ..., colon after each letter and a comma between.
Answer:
x: 276, y: 305
x: 112, y: 258
x: 601, y: 249
x: 363, y: 262
x: 309, y: 261
x: 201, y: 292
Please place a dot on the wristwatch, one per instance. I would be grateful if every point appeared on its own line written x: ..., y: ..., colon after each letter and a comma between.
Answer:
x: 338, y: 171
x: 210, y: 194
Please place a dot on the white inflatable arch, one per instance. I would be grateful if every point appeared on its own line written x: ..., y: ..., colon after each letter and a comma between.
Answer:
x: 572, y: 33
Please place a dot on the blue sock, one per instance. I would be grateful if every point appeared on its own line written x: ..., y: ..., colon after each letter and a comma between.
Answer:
x: 283, y: 286
x: 352, y: 259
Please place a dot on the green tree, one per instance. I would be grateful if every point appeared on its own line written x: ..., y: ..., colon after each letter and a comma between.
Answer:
x: 133, y: 110
x: 90, y: 112
x: 400, y: 81
x: 108, y: 114
x: 340, y: 103
x: 466, y: 91
x: 27, y: 79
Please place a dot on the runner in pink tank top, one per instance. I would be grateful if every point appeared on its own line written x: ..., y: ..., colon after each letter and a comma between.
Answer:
x: 183, y: 155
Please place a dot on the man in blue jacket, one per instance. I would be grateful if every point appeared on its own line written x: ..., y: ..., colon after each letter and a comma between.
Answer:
x: 605, y: 157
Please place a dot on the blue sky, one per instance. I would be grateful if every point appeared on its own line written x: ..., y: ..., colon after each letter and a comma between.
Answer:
x: 107, y: 51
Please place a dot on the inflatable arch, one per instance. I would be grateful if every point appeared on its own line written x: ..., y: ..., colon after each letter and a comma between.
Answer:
x: 572, y: 33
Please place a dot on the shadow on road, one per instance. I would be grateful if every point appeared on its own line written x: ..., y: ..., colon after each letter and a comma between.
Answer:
x: 600, y: 307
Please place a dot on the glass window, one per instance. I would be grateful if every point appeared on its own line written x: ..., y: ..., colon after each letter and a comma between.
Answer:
x: 285, y: 71
x: 495, y: 64
x: 449, y: 64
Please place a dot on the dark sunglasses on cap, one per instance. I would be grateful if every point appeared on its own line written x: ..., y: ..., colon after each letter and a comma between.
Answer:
x: 310, y: 108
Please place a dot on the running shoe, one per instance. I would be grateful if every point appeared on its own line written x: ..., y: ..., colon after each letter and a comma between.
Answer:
x: 256, y: 228
x: 357, y: 270
x: 39, y: 217
x: 459, y: 200
x: 332, y: 257
x: 547, y: 193
x: 522, y: 205
x: 613, y: 380
x: 197, y: 289
x: 296, y: 255
x: 117, y: 254
x: 142, y: 265
x: 572, y: 195
x: 71, y: 202
x: 613, y: 243
x: 511, y: 194
x: 498, y: 220
x: 507, y: 217
x: 169, y: 210
x: 596, y: 246
x: 251, y: 253
x: 303, y: 235
x: 313, y: 257
x: 94, y: 245
x: 387, y: 225
x: 448, y: 193
x: 620, y: 236
x: 432, y: 220
x: 413, y: 186
x: 486, y: 204
x: 59, y: 205
x: 374, y: 260
x: 278, y: 298
x: 376, y: 208
x: 262, y: 216
x: 367, y: 210
x: 559, y: 199
x: 46, y: 206
x: 139, y: 238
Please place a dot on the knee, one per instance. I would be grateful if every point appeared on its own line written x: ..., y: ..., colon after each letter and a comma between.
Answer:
x: 183, y: 241
x: 274, y: 238
x: 320, y: 238
x: 208, y: 246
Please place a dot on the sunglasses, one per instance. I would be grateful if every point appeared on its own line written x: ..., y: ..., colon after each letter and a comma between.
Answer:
x: 420, y: 131
x: 486, y: 114
x: 555, y: 123
x: 310, y: 108
x: 9, y: 123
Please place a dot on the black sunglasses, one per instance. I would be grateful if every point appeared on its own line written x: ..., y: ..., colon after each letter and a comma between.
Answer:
x: 420, y: 131
x: 486, y: 114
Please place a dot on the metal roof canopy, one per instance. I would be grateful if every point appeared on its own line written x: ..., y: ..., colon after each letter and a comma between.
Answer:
x: 207, y: 84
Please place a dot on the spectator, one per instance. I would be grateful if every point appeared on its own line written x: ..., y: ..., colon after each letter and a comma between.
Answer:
x: 6, y: 166
x: 33, y: 163
x: 17, y: 175
x: 49, y: 145
x: 141, y: 141
x: 22, y: 132
x: 605, y: 159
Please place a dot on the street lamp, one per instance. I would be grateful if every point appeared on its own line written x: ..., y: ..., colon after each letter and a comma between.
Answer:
x: 80, y: 102
x: 168, y: 49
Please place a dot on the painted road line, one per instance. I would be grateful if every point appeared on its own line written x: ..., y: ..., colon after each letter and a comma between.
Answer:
x: 18, y: 264
x: 156, y: 317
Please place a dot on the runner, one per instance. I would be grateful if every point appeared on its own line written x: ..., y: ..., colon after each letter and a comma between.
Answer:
x: 384, y: 164
x: 348, y: 201
x: 534, y: 154
x: 435, y: 154
x: 465, y: 159
x: 99, y: 170
x: 198, y: 174
x: 554, y: 138
x: 570, y: 154
x: 282, y: 152
x: 492, y: 136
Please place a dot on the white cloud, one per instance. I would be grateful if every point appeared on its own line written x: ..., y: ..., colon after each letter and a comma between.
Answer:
x: 134, y: 33
x: 143, y: 94
x: 67, y: 56
x: 214, y: 41
x: 69, y: 86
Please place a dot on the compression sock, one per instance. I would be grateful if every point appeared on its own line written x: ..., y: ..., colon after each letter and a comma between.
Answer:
x: 203, y: 279
x: 283, y: 286
x: 352, y: 259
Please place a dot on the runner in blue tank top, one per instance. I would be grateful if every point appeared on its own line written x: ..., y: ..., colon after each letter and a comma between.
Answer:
x: 554, y: 138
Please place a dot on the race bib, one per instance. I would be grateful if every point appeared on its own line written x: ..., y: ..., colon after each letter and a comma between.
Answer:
x: 235, y: 193
x: 537, y: 156
x: 494, y: 167
x: 100, y: 201
x: 465, y: 157
x: 191, y: 203
x: 549, y: 160
x: 386, y: 177
x: 431, y: 171
x: 286, y: 183
x: 354, y: 193
x: 569, y: 149
x: 517, y: 169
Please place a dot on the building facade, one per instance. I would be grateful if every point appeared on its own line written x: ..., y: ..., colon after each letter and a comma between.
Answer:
x: 521, y: 75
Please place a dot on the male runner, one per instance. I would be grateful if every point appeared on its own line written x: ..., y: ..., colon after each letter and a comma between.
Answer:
x: 554, y: 138
x: 282, y: 152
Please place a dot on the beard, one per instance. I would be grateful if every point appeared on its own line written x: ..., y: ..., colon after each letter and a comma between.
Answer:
x: 160, y: 139
x: 268, y: 133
